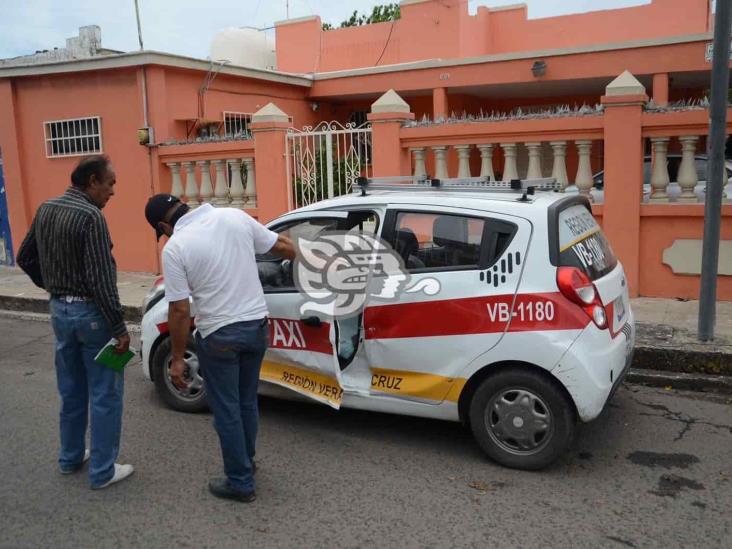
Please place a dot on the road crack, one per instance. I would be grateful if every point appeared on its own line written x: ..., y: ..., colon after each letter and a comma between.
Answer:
x: 681, y: 417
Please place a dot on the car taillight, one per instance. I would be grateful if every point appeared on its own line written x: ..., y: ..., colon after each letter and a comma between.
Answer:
x: 578, y: 288
x: 158, y: 282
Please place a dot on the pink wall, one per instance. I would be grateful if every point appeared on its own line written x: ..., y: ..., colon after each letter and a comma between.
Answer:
x: 443, y: 29
x: 114, y: 96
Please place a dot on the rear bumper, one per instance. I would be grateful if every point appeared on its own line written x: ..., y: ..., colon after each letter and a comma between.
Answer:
x: 595, y: 366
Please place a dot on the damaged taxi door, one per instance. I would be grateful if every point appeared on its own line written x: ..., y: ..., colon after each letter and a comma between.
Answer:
x: 301, y: 354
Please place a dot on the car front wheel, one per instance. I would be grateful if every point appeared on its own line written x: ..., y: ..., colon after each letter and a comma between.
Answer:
x: 521, y: 419
x: 191, y: 399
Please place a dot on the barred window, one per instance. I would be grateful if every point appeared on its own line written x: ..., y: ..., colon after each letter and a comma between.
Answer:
x: 75, y: 137
x: 236, y: 124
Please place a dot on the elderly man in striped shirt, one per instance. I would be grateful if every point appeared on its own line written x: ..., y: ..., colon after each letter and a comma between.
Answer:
x: 68, y: 252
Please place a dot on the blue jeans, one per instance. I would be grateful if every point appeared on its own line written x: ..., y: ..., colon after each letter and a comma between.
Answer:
x: 231, y: 358
x: 81, y: 331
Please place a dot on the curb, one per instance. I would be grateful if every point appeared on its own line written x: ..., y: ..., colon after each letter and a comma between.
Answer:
x: 40, y: 305
x: 680, y: 380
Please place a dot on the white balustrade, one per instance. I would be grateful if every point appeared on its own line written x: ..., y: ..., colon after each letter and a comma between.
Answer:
x: 687, y: 177
x: 463, y: 152
x: 510, y: 170
x: 191, y: 184
x: 584, y: 180
x: 486, y: 161
x: 440, y: 162
x: 237, y: 186
x: 251, y: 188
x: 534, y: 171
x: 559, y: 166
x: 176, y: 188
x: 221, y: 189
x: 659, y: 176
x: 206, y: 192
x: 420, y: 170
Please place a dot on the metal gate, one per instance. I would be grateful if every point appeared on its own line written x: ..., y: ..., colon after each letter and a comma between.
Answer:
x: 6, y: 245
x: 325, y: 161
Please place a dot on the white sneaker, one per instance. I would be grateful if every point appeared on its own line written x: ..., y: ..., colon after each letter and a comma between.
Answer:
x: 121, y: 472
x: 87, y: 453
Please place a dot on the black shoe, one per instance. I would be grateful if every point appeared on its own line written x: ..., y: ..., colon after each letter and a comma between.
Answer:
x: 220, y: 488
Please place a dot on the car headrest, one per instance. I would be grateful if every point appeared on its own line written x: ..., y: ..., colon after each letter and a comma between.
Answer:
x: 406, y: 243
x: 450, y: 230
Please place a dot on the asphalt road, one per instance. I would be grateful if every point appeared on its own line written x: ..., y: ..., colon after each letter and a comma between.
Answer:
x: 654, y: 471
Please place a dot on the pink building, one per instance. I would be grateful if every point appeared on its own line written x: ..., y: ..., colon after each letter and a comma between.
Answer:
x: 583, y: 97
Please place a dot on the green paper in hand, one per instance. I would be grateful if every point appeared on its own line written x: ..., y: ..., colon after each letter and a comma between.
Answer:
x: 110, y: 359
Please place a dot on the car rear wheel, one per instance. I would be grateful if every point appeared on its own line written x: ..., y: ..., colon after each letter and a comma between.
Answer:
x: 521, y: 419
x: 191, y: 399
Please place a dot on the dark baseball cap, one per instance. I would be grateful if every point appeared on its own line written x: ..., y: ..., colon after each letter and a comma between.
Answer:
x: 157, y: 207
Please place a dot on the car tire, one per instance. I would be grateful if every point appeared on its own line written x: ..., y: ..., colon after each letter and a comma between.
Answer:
x: 521, y: 419
x: 195, y: 400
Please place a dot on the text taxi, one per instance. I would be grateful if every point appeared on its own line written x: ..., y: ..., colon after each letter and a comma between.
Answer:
x: 487, y: 303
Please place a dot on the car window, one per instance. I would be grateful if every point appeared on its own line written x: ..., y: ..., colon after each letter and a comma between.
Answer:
x: 437, y: 240
x: 276, y: 276
x: 701, y: 168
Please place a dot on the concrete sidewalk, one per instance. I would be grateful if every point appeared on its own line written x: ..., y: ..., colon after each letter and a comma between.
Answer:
x: 666, y: 345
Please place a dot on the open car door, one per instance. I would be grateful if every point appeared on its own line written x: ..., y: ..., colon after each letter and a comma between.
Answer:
x: 302, y: 351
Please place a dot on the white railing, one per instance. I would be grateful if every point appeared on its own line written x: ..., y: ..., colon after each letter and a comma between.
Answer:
x: 223, y: 182
x: 690, y: 182
x: 534, y: 169
x: 325, y: 161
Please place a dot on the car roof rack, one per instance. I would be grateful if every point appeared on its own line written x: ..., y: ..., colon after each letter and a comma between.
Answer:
x: 457, y: 184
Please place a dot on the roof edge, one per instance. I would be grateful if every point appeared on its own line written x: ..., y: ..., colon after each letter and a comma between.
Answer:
x: 150, y: 57
x: 439, y: 63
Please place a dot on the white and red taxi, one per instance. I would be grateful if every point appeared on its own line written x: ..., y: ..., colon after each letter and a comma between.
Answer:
x: 531, y: 328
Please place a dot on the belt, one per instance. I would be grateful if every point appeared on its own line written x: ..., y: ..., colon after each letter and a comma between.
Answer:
x: 72, y: 298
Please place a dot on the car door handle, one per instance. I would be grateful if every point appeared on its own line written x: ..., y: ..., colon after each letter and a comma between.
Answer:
x: 313, y: 321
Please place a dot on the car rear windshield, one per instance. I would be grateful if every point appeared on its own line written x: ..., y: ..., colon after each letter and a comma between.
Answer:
x: 582, y: 243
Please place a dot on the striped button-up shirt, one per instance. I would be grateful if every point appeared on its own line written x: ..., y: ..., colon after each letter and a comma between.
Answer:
x: 68, y: 252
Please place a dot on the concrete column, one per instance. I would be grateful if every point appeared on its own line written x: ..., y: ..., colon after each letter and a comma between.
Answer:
x: 463, y: 152
x: 251, y: 189
x: 659, y: 176
x: 687, y: 177
x: 439, y: 104
x: 269, y: 128
x: 388, y: 113
x: 660, y: 89
x: 440, y: 162
x: 534, y: 171
x: 584, y: 180
x: 623, y: 100
x: 559, y: 166
x: 419, y: 167
x: 510, y: 171
x: 486, y: 161
x: 221, y: 189
x: 206, y: 191
x: 176, y: 187
x: 237, y: 186
x: 191, y: 184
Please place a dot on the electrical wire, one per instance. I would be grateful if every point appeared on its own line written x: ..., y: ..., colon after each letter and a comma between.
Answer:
x: 386, y: 45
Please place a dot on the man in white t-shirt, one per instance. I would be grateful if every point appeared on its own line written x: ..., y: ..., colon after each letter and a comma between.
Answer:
x: 209, y: 257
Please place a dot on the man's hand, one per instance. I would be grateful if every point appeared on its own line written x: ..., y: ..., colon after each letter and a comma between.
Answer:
x: 123, y: 344
x: 177, y: 373
x: 284, y: 247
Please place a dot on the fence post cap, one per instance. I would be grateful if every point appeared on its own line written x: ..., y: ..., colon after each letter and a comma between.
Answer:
x: 625, y: 84
x: 390, y: 102
x: 269, y: 113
